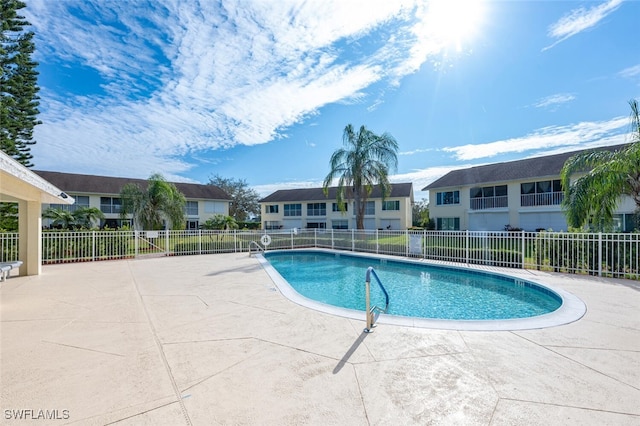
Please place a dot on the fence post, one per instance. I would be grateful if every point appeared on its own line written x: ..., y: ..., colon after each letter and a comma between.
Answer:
x: 424, y: 243
x: 93, y: 246
x: 467, y: 245
x: 200, y: 241
x: 353, y: 240
x: 333, y: 243
x: 377, y: 241
x: 406, y: 242
x: 135, y: 243
x: 599, y: 254
x: 166, y: 242
x: 524, y: 251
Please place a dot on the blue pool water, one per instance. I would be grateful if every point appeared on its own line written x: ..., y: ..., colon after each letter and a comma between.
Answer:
x: 415, y: 290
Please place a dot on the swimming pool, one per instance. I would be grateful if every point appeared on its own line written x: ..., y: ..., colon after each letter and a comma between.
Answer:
x: 420, y: 294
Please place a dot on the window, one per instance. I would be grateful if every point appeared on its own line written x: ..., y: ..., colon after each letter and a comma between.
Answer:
x: 450, y: 197
x: 273, y: 208
x: 81, y: 201
x: 317, y: 209
x: 316, y: 225
x: 528, y: 188
x: 293, y: 209
x: 488, y: 197
x: 501, y: 191
x: 626, y: 222
x: 391, y: 205
x: 541, y: 193
x: 340, y: 224
x: 336, y: 208
x: 369, y: 208
x: 110, y: 205
x: 448, y: 224
x: 191, y: 209
x: 543, y: 186
x: 215, y: 207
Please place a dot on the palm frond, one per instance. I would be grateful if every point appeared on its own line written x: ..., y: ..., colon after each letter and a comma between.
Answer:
x: 603, y: 176
x: 362, y: 163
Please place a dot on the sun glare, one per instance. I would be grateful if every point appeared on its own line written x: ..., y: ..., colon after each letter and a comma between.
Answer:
x: 453, y: 23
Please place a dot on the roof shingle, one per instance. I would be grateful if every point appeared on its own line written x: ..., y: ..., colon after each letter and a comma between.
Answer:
x: 312, y: 194
x: 537, y: 167
x: 90, y: 184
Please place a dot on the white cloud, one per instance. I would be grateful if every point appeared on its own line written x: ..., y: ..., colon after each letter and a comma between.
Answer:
x: 630, y: 72
x: 375, y: 105
x: 267, y: 189
x: 175, y: 77
x: 572, y: 136
x: 423, y: 177
x: 579, y: 20
x: 552, y: 102
x: 415, y: 151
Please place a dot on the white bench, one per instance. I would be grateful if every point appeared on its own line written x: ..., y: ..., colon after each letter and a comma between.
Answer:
x: 6, y: 267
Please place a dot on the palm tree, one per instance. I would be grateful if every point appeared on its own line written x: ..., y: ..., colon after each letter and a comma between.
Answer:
x: 60, y: 217
x: 220, y: 222
x: 607, y: 175
x: 86, y: 216
x: 362, y: 163
x: 159, y: 202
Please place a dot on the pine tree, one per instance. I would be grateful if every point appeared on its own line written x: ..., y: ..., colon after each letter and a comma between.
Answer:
x: 18, y: 84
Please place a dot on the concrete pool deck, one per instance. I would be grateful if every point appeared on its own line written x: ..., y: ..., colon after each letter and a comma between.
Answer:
x: 210, y: 340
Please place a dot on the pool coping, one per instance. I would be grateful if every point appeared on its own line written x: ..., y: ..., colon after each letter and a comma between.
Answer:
x: 571, y: 310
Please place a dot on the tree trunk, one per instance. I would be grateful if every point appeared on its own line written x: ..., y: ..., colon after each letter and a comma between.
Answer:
x: 360, y: 208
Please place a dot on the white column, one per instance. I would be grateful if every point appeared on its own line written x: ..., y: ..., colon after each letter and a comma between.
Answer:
x: 30, y: 240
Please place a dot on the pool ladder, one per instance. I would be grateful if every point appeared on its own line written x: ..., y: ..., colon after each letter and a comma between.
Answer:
x: 373, y: 312
x: 253, y: 243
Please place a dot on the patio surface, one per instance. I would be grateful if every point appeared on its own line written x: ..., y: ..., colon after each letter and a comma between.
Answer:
x: 210, y: 340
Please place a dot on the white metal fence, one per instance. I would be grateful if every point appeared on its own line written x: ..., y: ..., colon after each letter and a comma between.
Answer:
x: 603, y: 254
x: 8, y: 247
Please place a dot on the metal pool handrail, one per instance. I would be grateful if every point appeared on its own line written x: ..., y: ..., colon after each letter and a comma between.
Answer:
x: 260, y: 249
x: 373, y: 312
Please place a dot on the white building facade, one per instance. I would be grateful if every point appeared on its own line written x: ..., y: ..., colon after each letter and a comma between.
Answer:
x: 524, y: 194
x: 309, y: 208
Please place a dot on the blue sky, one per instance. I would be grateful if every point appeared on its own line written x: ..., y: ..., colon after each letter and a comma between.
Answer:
x: 261, y: 90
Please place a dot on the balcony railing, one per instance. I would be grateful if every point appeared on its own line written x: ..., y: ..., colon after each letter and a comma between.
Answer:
x: 69, y: 208
x: 542, y: 199
x: 110, y: 208
x: 489, y: 202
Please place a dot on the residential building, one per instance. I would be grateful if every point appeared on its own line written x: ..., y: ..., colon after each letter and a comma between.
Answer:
x: 524, y: 194
x: 103, y: 192
x: 310, y: 208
